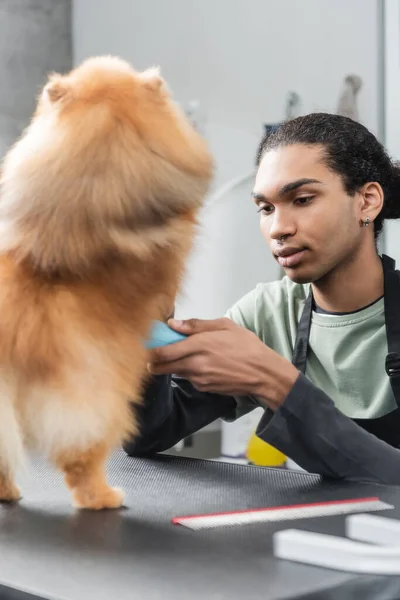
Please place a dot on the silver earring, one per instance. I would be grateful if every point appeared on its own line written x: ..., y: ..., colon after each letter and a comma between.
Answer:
x: 365, y: 223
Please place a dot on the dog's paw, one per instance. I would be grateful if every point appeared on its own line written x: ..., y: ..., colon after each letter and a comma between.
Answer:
x: 108, y: 498
x: 9, y: 492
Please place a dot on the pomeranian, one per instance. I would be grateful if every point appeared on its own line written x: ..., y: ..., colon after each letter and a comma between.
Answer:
x: 98, y: 205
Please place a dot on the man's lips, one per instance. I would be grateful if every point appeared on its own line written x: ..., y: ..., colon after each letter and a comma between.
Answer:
x: 290, y: 256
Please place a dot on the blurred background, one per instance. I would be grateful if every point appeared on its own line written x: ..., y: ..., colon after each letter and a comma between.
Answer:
x: 235, y: 66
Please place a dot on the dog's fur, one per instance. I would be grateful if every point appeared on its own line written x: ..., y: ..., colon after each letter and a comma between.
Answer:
x: 98, y: 204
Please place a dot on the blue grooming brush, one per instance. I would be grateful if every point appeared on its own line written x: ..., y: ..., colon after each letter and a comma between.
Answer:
x: 162, y: 335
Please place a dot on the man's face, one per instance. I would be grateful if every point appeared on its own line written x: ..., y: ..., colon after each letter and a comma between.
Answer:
x: 308, y: 219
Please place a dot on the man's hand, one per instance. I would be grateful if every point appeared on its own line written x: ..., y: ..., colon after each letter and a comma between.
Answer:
x: 222, y: 357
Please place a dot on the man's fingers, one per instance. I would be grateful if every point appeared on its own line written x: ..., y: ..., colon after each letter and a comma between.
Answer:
x: 192, y: 326
x: 196, y: 343
x: 195, y: 364
x: 177, y: 367
x: 174, y: 352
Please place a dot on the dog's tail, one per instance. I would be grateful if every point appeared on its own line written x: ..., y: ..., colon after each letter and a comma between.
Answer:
x: 11, y: 440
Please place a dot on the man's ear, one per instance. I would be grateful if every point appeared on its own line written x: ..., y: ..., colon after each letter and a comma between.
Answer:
x: 372, y: 200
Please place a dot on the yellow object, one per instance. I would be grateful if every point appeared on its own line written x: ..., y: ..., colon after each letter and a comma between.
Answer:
x: 262, y: 454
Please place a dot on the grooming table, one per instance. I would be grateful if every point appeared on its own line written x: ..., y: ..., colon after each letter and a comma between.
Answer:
x: 49, y: 550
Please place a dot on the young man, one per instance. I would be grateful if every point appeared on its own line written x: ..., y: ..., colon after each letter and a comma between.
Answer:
x: 312, y: 348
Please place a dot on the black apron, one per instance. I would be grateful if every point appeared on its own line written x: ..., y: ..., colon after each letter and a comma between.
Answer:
x: 387, y: 428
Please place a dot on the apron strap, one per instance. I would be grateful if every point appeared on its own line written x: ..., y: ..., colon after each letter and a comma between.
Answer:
x: 299, y: 358
x: 392, y: 320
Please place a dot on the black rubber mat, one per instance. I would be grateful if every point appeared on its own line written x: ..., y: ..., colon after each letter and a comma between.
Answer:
x: 49, y: 550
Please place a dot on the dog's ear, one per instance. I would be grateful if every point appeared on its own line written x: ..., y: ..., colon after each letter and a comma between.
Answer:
x: 152, y: 79
x: 57, y: 88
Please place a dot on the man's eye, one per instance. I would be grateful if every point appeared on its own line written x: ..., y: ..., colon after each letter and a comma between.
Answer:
x: 304, y: 200
x: 266, y: 210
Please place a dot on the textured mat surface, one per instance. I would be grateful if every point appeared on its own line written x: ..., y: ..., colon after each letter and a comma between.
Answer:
x: 49, y: 550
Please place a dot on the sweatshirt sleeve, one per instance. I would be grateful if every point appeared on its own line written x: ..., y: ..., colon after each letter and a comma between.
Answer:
x: 172, y: 410
x: 319, y: 438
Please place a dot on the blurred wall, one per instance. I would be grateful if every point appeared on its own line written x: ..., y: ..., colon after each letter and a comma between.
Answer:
x: 35, y: 39
x: 239, y: 60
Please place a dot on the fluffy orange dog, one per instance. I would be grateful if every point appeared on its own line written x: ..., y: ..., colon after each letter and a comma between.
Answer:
x: 98, y: 205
